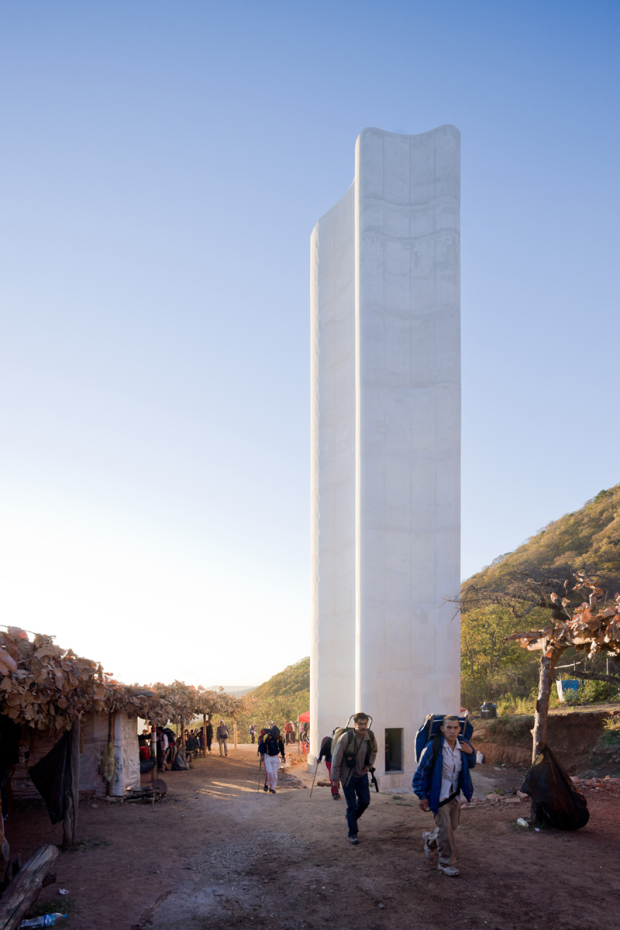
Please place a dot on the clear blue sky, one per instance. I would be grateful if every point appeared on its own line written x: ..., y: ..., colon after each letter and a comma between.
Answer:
x: 161, y: 169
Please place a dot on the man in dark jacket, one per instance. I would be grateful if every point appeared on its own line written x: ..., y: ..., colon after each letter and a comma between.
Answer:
x: 209, y: 735
x: 442, y: 773
x: 326, y: 753
x: 270, y: 747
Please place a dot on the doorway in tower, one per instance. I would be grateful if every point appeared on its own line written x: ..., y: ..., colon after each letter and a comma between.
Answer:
x: 394, y: 749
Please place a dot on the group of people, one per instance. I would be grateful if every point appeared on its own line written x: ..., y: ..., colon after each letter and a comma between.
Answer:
x: 442, y: 774
x: 198, y: 742
x: 290, y: 736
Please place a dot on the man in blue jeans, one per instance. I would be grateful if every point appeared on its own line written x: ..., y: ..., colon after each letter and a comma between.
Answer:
x: 355, y: 755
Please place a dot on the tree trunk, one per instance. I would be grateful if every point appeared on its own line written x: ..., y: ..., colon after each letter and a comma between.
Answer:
x: 235, y: 731
x: 548, y: 661
x: 23, y: 890
x: 70, y: 824
x: 204, y: 734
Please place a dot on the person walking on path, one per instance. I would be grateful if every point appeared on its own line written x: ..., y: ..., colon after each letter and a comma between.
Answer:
x: 440, y: 777
x: 209, y: 735
x: 253, y: 732
x: 326, y: 753
x: 355, y: 755
x: 270, y: 749
x: 221, y: 735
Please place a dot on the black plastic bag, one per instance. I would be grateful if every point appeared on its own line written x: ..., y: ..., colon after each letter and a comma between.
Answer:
x: 51, y: 776
x: 548, y: 785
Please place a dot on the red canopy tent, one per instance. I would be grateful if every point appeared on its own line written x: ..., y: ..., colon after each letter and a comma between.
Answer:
x: 304, y: 718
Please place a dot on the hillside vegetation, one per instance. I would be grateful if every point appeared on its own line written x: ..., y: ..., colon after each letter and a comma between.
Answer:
x: 496, y: 669
x: 283, y: 697
x: 294, y: 680
x: 587, y: 539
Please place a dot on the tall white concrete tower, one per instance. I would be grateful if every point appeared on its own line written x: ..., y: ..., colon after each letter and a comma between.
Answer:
x: 385, y: 309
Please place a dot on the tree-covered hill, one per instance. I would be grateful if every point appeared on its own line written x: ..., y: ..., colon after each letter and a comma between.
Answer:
x: 587, y: 539
x: 283, y: 697
x: 293, y: 680
x: 495, y: 668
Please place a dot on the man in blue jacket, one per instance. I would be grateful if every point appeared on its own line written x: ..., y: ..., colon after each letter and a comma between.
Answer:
x: 443, y: 772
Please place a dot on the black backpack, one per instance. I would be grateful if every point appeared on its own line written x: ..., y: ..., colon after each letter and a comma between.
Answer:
x: 431, y: 728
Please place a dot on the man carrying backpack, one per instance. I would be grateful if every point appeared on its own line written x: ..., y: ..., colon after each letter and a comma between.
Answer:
x: 352, y: 759
x: 441, y: 775
x: 270, y: 748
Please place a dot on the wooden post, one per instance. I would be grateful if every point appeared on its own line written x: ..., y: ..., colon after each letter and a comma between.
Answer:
x: 235, y: 731
x: 23, y: 890
x: 204, y: 735
x: 109, y: 784
x: 70, y: 824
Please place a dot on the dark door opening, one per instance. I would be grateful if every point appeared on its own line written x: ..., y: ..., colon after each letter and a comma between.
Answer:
x: 393, y: 750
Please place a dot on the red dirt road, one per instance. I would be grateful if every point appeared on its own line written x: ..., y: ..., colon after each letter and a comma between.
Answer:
x: 221, y: 855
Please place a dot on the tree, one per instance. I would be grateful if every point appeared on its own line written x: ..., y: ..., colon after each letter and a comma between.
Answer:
x: 484, y: 642
x: 583, y: 627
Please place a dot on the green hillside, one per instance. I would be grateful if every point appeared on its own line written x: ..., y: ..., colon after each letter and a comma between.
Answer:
x: 293, y: 680
x: 493, y: 668
x: 587, y: 539
x: 283, y: 697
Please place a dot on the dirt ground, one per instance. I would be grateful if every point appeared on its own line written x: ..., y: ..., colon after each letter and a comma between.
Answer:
x: 220, y: 854
x: 572, y: 732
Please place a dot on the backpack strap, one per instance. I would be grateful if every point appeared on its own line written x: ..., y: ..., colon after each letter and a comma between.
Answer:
x: 369, y: 749
x: 436, y: 750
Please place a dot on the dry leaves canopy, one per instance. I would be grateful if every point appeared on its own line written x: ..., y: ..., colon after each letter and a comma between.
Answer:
x: 47, y: 687
x: 586, y: 629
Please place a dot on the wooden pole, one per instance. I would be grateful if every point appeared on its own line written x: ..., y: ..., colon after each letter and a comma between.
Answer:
x: 108, y: 785
x: 70, y: 824
x: 23, y: 890
x: 204, y: 735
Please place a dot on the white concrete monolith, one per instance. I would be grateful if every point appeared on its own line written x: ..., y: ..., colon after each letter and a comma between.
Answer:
x: 385, y: 309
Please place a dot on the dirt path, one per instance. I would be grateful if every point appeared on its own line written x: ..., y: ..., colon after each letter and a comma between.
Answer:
x: 221, y: 855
